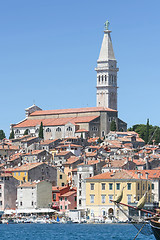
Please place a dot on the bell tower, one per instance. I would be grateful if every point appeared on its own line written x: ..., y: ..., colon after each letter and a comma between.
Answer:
x: 107, y: 73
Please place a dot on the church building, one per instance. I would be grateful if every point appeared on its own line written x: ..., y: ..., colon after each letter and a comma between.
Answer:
x: 77, y: 122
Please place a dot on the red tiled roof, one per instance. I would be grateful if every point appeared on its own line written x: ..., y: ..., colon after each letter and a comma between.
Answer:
x: 71, y: 110
x: 24, y: 167
x: 71, y: 160
x: 124, y: 174
x: 54, y: 121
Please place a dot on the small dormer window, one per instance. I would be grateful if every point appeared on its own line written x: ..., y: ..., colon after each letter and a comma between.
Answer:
x: 69, y: 129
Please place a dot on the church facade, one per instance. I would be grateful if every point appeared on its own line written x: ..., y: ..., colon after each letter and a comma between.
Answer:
x: 77, y: 122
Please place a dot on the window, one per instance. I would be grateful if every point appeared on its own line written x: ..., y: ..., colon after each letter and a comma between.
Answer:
x: 0, y: 186
x: 54, y: 196
x: 91, y: 198
x: 65, y: 207
x: 25, y: 174
x: 110, y: 198
x: 20, y: 203
x: 129, y: 186
x: 80, y: 193
x: 99, y: 78
x: 103, y: 186
x: 90, y: 175
x: 18, y: 173
x: 118, y: 186
x: 149, y: 187
x: 32, y: 203
x: 129, y: 198
x: 65, y: 198
x: 61, y: 207
x: 75, y: 199
x: 61, y: 198
x: 92, y: 186
x: 69, y: 129
x: 110, y: 186
x: 48, y: 130
x: 138, y: 186
x: 60, y: 176
x: 143, y: 186
x: 102, y: 78
x: 58, y: 129
x: 105, y: 78
x: 152, y: 186
x: 103, y: 198
x: 80, y: 185
x: 80, y: 202
x: 0, y: 203
x: 0, y: 194
x: 80, y: 176
x: 17, y: 131
x: 94, y: 129
x: 62, y: 184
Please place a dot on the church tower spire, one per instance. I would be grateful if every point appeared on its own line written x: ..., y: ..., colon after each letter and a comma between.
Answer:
x: 107, y: 73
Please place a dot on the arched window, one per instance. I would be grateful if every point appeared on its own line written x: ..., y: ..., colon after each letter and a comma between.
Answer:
x: 99, y: 78
x: 94, y: 129
x: 17, y: 131
x: 48, y: 130
x: 58, y: 129
x: 69, y: 129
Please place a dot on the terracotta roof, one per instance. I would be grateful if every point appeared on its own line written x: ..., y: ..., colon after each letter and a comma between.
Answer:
x: 62, y: 153
x: 69, y: 145
x: 81, y: 130
x: 67, y: 194
x: 24, y: 167
x: 9, y: 147
x: 91, y: 154
x: 124, y: 174
x: 29, y: 139
x: 71, y: 160
x: 46, y: 142
x: 54, y: 121
x: 71, y: 110
x: 154, y: 173
x: 28, y: 184
x: 35, y: 152
x: 116, y: 163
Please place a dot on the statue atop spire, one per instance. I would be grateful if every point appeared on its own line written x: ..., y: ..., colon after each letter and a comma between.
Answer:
x: 106, y: 24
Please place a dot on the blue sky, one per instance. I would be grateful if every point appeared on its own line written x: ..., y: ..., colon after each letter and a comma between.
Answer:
x: 49, y: 49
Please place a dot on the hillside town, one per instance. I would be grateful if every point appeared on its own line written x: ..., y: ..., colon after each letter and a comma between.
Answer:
x: 69, y: 165
x: 77, y: 177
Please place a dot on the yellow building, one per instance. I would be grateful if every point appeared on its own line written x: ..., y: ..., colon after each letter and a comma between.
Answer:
x: 61, y: 178
x: 103, y: 188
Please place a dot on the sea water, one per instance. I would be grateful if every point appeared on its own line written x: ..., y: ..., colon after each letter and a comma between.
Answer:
x: 70, y: 232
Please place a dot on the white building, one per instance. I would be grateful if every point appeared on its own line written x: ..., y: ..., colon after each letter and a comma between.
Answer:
x: 34, y: 195
x: 107, y: 74
x: 83, y: 172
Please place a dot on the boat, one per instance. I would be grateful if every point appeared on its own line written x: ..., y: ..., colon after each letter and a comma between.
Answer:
x: 147, y: 225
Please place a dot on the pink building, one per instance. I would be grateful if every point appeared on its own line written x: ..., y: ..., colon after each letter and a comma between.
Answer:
x: 68, y: 200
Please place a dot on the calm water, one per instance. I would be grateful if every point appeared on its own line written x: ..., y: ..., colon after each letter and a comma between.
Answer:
x: 69, y: 232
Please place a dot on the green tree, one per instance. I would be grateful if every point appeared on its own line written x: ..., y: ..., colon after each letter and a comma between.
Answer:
x: 26, y: 132
x: 41, y: 131
x: 2, y: 134
x: 113, y: 126
x: 99, y: 140
x: 11, y: 135
x: 147, y: 132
